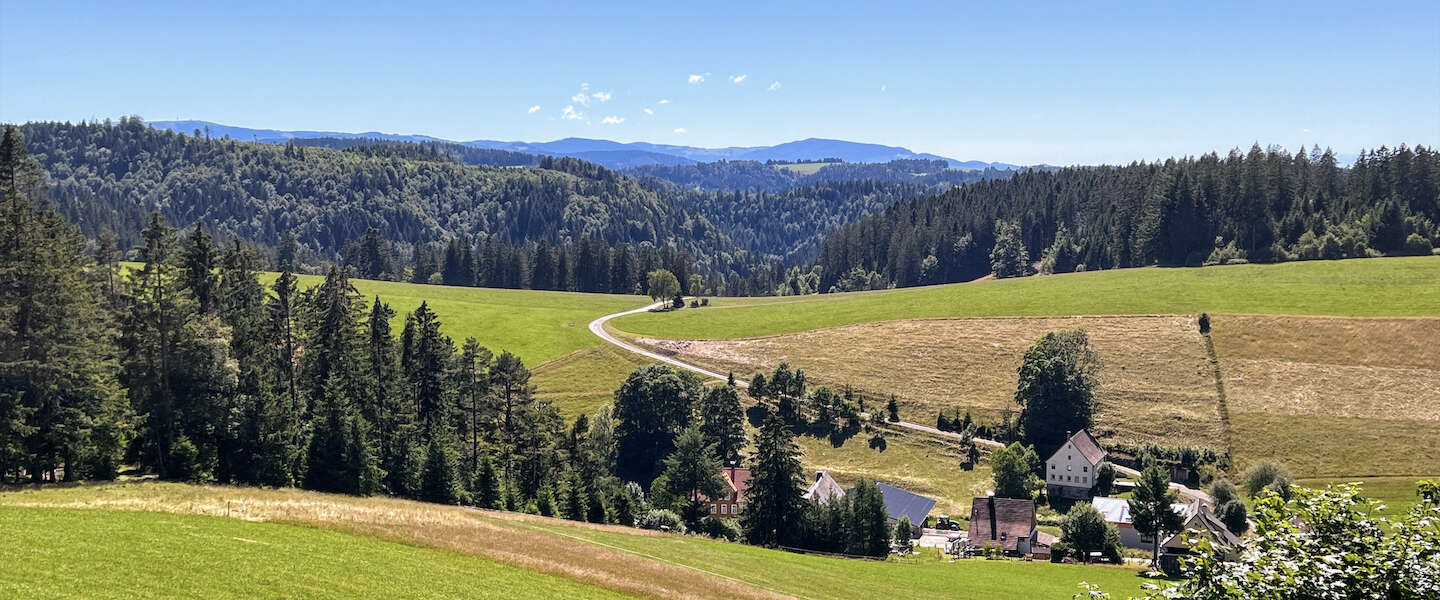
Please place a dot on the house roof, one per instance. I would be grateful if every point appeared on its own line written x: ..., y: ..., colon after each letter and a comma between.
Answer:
x: 1203, y: 520
x: 824, y: 489
x: 1002, y: 521
x: 1117, y: 510
x: 905, y: 503
x: 1086, y: 445
x: 738, y: 479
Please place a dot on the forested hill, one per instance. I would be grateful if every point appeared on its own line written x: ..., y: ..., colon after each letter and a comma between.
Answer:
x: 770, y: 177
x: 1260, y: 206
x: 111, y: 176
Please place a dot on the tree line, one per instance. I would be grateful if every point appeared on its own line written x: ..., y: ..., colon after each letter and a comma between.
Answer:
x: 1260, y: 206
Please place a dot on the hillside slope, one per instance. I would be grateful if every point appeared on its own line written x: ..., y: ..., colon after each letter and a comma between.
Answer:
x: 624, y: 560
x: 1405, y: 286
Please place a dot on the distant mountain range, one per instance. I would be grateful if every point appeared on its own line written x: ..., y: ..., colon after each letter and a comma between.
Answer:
x: 615, y: 155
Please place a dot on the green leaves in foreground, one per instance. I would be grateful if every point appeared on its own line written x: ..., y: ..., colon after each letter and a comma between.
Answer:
x: 1321, y: 544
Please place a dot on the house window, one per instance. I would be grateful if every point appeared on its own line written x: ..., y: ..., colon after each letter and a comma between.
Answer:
x: 712, y: 509
x: 1069, y: 467
x: 1084, y: 480
x: 734, y: 509
x: 1052, y: 466
x: 1084, y: 469
x: 723, y: 509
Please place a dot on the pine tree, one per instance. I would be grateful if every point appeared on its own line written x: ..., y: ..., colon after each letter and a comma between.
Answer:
x: 693, y: 471
x: 474, y: 393
x: 723, y: 422
x: 775, y: 504
x: 428, y: 375
x: 485, y: 487
x: 159, y: 309
x: 199, y: 264
x: 1150, y: 507
x: 60, y: 407
x: 441, y: 481
x: 869, y: 525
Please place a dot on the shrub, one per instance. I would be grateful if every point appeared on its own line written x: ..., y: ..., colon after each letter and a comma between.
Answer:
x: 1059, y: 550
x: 1417, y: 245
x: 1104, y: 478
x: 1223, y: 491
x: 721, y: 529
x: 1225, y: 255
x: 1233, y: 515
x: 657, y: 518
x: 1267, y: 474
x: 1204, y: 323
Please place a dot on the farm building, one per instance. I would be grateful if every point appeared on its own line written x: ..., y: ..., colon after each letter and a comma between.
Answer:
x: 905, y: 503
x: 825, y: 489
x: 1070, y: 471
x: 1117, y: 512
x: 1005, y: 522
x: 733, y: 503
x: 1200, y: 521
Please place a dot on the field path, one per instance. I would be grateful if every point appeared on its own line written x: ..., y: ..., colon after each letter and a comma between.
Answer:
x: 597, y: 327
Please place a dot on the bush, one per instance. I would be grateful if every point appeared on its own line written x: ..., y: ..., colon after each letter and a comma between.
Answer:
x: 1204, y: 323
x: 1233, y: 515
x: 1223, y: 491
x: 1059, y: 550
x: 1417, y: 245
x: 1267, y: 474
x: 657, y: 518
x: 721, y: 529
x: 1226, y: 255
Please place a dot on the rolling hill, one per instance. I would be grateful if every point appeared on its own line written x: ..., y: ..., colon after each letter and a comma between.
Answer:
x: 615, y: 155
x: 377, y: 547
x: 1298, y: 352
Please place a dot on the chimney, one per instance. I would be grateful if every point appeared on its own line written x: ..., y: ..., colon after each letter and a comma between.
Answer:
x: 991, y: 501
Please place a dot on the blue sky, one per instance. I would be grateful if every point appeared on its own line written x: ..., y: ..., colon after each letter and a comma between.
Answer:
x: 1060, y: 83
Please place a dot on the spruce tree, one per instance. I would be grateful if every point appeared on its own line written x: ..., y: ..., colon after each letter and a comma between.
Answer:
x: 1150, y: 508
x: 60, y: 407
x: 723, y: 422
x: 440, y: 482
x: 199, y: 263
x: 775, y: 503
x: 869, y: 531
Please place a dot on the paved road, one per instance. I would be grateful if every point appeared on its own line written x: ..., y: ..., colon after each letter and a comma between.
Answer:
x: 597, y: 327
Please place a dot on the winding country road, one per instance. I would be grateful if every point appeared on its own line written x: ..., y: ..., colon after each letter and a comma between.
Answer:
x: 597, y: 327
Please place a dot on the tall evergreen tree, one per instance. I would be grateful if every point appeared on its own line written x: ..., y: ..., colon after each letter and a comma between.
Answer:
x: 60, y: 408
x: 775, y: 498
x: 723, y: 421
x: 200, y: 262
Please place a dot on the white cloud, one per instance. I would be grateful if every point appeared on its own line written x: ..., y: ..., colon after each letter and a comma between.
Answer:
x: 664, y: 101
x: 679, y: 130
x: 534, y: 109
x: 774, y: 86
x: 649, y: 112
x: 580, y: 99
x: 882, y: 89
x: 697, y: 79
x: 601, y: 96
x: 584, y: 85
x: 738, y: 78
x: 1305, y: 130
x: 612, y: 120
x: 570, y: 114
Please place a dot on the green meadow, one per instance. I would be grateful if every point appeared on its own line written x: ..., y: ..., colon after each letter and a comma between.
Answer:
x: 535, y: 325
x: 72, y: 542
x: 1371, y: 287
x: 94, y: 554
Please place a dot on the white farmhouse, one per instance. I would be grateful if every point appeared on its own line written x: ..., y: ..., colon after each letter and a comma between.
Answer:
x: 1070, y: 472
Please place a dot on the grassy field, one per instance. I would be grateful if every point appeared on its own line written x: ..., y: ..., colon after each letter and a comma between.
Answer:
x: 535, y: 325
x: 1333, y: 397
x: 582, y: 381
x: 1398, y: 493
x: 1404, y: 286
x: 1157, y: 386
x: 920, y: 463
x: 75, y: 553
x: 806, y: 168
x: 618, y: 559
